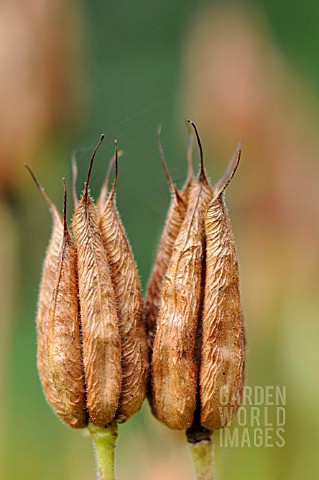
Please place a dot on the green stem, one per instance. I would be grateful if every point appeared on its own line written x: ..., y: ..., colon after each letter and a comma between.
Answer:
x: 202, y: 457
x: 104, y: 439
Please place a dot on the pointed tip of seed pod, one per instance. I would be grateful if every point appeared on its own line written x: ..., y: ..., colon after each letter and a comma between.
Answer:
x: 202, y: 174
x: 74, y: 177
x: 223, y: 183
x: 65, y: 223
x: 34, y: 178
x: 112, y: 192
x: 86, y: 189
x: 162, y: 155
x: 102, y: 198
x: 190, y: 173
x: 41, y: 190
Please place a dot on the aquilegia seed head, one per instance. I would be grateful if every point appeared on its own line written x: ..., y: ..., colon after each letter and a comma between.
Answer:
x: 199, y: 345
x: 92, y: 349
x: 69, y: 405
x: 126, y: 284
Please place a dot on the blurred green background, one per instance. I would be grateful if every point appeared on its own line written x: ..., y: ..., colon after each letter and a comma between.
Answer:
x: 72, y: 70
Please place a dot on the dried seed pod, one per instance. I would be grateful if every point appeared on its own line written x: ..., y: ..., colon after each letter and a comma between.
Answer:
x: 174, y: 365
x: 48, y: 283
x: 174, y: 219
x: 134, y: 351
x: 101, y: 338
x: 64, y: 337
x: 223, y: 343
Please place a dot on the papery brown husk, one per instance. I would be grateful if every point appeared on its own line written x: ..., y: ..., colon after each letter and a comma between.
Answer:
x: 64, y: 338
x: 47, y: 286
x: 223, y: 343
x: 129, y: 302
x: 174, y: 219
x: 100, y: 331
x: 173, y: 222
x: 174, y: 366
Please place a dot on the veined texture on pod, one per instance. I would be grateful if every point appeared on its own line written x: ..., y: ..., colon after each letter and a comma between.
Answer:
x: 100, y: 331
x: 174, y: 365
x: 174, y: 219
x: 47, y: 285
x: 134, y: 350
x: 64, y: 338
x: 223, y: 343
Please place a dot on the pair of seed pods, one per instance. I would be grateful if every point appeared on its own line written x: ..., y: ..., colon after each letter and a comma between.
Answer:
x: 193, y: 310
x: 93, y: 351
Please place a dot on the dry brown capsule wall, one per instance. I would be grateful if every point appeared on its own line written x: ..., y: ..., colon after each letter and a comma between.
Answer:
x: 174, y: 219
x: 199, y: 344
x: 100, y: 330
x: 47, y: 286
x: 223, y: 344
x: 64, y: 338
x: 174, y: 365
x: 134, y: 351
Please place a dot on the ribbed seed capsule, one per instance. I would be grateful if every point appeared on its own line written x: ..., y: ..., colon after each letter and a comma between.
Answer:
x: 48, y: 283
x: 223, y: 344
x: 101, y: 338
x: 64, y: 338
x: 174, y: 219
x: 172, y: 226
x: 174, y: 365
x: 134, y: 351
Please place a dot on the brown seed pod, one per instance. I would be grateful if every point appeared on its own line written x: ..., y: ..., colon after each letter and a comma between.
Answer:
x: 101, y: 338
x: 64, y: 337
x: 223, y: 343
x: 174, y: 219
x: 174, y: 366
x: 134, y: 351
x: 48, y: 283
